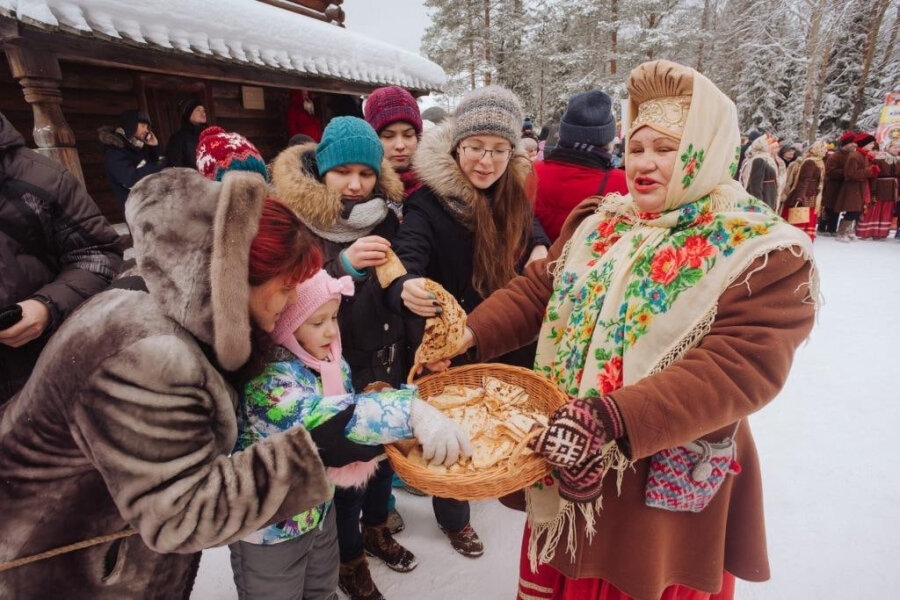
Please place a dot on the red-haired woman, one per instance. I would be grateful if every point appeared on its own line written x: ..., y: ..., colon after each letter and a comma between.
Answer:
x: 128, y: 419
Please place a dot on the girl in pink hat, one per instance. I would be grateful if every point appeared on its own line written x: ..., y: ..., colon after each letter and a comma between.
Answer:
x: 306, y: 381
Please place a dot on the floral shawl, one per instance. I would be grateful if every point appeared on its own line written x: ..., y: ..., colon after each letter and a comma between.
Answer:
x: 634, y: 291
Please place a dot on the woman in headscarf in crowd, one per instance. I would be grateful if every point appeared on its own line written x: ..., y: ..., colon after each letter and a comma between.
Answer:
x: 668, y: 316
x: 759, y: 173
x: 803, y: 196
x: 875, y: 221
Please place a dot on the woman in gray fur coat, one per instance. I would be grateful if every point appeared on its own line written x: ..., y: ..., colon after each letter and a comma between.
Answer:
x: 128, y: 420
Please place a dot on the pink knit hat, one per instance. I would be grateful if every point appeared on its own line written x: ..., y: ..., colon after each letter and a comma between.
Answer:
x: 311, y: 295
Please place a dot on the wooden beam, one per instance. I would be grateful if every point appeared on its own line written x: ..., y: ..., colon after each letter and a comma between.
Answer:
x: 141, y: 57
x: 39, y: 75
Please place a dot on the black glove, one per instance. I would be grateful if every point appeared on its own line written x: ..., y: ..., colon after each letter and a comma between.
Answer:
x: 335, y: 449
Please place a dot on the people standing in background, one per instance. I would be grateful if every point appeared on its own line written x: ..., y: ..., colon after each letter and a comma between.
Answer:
x: 530, y: 148
x: 803, y: 193
x: 855, y: 193
x: 834, y: 178
x: 887, y: 185
x: 875, y: 220
x: 130, y: 153
x: 181, y: 151
x: 580, y: 166
x: 759, y: 174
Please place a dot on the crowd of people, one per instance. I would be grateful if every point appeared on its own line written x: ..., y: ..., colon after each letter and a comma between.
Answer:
x: 236, y: 384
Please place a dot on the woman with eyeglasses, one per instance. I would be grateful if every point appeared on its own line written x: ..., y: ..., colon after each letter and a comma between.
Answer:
x: 470, y: 228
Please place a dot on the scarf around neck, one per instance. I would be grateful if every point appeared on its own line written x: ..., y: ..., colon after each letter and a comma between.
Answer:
x: 364, y: 217
x: 633, y: 291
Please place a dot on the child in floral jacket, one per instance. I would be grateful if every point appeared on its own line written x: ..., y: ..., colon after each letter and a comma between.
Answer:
x: 307, y: 382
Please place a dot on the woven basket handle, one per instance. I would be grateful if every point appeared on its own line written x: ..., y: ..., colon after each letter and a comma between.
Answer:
x: 519, y: 450
x: 414, y: 372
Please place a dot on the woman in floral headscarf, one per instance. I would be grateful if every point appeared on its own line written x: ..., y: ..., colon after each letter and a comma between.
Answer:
x: 668, y: 316
x: 803, y: 197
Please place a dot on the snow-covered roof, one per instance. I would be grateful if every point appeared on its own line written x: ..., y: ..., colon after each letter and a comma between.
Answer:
x: 246, y: 32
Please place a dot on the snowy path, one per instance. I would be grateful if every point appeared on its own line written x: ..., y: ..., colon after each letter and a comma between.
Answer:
x: 831, y: 488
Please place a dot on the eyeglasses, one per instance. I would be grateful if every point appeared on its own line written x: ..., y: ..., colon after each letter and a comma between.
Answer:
x: 477, y: 153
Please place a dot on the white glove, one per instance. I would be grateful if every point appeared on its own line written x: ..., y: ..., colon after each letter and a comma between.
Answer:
x: 442, y: 440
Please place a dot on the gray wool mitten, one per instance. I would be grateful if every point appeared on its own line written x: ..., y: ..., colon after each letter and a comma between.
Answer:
x: 442, y: 440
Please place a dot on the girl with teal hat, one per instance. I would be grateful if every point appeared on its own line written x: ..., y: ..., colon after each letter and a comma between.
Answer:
x: 347, y: 193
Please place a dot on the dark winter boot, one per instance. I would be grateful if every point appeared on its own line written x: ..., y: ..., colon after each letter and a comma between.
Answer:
x: 355, y: 580
x: 378, y: 542
x: 395, y: 521
x: 466, y: 542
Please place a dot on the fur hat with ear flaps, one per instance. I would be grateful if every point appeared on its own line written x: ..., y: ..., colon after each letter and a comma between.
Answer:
x: 192, y: 241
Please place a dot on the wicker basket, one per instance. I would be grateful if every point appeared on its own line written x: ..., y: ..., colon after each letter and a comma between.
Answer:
x: 508, y: 476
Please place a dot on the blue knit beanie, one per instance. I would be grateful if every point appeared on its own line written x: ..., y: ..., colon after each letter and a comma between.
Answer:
x: 349, y: 140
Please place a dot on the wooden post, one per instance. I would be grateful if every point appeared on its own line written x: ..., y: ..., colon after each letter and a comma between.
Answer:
x: 39, y: 75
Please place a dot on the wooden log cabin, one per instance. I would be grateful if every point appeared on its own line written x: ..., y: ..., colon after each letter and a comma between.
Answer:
x: 74, y: 65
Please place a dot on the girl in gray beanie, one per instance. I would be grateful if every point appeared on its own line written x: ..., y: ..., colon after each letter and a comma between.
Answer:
x: 470, y: 228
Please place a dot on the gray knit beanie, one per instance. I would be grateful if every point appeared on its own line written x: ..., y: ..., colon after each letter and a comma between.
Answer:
x: 588, y: 120
x: 490, y: 110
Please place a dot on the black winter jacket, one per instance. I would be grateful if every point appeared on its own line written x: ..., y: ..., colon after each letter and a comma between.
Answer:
x: 126, y: 164
x: 55, y: 246
x: 432, y: 243
x: 181, y: 151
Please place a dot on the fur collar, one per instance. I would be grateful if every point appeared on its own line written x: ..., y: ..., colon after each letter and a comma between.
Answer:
x: 109, y: 136
x: 438, y: 169
x: 296, y: 183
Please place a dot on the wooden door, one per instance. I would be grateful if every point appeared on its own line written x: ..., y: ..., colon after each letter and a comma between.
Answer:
x: 162, y: 98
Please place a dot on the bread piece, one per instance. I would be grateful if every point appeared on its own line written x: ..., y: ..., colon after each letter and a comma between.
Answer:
x: 390, y: 270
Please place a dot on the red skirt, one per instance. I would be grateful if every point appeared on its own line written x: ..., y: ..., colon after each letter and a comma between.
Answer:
x: 875, y: 222
x: 549, y: 584
x: 809, y: 227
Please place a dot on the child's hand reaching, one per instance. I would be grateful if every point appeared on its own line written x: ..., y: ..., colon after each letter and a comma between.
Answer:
x: 442, y: 440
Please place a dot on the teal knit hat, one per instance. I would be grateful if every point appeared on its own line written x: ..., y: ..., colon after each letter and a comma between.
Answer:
x: 349, y: 140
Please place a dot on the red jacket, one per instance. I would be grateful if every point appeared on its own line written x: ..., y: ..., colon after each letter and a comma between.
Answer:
x: 561, y: 186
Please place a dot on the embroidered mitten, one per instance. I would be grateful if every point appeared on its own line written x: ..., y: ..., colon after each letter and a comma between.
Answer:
x: 442, y: 440
x: 573, y: 441
x: 577, y: 430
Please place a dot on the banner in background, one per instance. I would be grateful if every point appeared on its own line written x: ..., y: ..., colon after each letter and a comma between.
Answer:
x: 889, y: 121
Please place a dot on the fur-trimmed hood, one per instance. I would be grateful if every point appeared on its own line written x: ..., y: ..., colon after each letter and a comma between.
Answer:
x: 192, y: 241
x: 438, y: 169
x: 111, y: 137
x: 296, y: 182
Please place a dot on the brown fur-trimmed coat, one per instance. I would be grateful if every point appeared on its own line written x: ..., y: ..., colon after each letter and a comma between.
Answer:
x: 128, y: 422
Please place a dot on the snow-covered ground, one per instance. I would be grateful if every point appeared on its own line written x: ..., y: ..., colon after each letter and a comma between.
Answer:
x: 827, y: 445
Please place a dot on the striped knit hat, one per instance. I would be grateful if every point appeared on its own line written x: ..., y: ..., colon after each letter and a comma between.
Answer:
x: 491, y: 110
x: 220, y: 151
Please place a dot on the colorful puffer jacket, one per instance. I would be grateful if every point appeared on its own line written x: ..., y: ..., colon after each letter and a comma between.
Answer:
x: 289, y: 393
